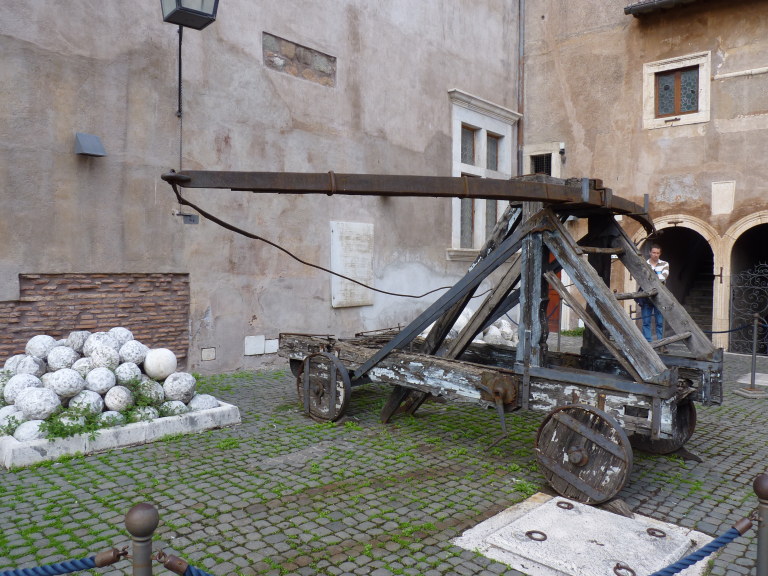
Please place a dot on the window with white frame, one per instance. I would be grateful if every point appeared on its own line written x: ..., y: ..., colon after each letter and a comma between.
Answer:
x: 483, y: 147
x: 676, y: 91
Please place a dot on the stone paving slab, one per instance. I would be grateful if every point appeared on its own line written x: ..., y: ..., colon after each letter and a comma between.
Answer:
x: 283, y: 495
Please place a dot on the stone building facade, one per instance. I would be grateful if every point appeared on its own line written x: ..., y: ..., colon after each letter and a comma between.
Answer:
x: 348, y: 86
x: 670, y: 99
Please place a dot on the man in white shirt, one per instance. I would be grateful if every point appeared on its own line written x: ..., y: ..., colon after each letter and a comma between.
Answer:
x: 661, y: 268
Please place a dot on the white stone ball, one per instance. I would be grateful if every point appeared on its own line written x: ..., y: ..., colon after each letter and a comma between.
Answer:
x: 17, y: 383
x: 100, y: 339
x: 73, y: 421
x: 28, y: 431
x: 160, y: 363
x: 111, y: 418
x: 122, y: 335
x: 83, y: 366
x: 202, y: 402
x: 77, y: 339
x: 13, y: 362
x: 5, y: 375
x: 119, y: 399
x: 179, y: 386
x: 39, y: 346
x: 37, y: 403
x: 128, y: 372
x: 492, y: 335
x: 144, y: 413
x: 105, y: 356
x: 61, y: 357
x: 65, y: 382
x: 172, y: 408
x: 31, y: 365
x: 12, y: 417
x: 150, y: 392
x: 89, y: 401
x: 133, y: 351
x: 100, y: 380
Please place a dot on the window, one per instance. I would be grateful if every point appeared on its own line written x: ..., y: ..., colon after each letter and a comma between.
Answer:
x: 544, y: 158
x: 483, y: 147
x: 541, y: 164
x: 676, y: 91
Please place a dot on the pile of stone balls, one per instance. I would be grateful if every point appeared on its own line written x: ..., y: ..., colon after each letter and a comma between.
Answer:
x: 109, y: 374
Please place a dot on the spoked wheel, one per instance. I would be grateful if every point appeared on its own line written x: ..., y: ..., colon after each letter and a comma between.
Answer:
x: 584, y: 453
x: 683, y: 426
x: 324, y: 387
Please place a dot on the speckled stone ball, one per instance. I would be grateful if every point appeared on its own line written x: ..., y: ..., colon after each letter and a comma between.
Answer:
x: 179, y: 386
x: 202, y: 402
x: 111, y: 418
x: 89, y: 401
x: 39, y: 346
x: 122, y: 335
x: 77, y: 339
x: 83, y: 366
x: 133, y: 351
x: 31, y: 365
x: 150, y: 392
x: 37, y: 403
x: 28, y: 431
x: 105, y: 356
x: 160, y: 363
x: 100, y: 380
x: 172, y: 408
x: 127, y: 372
x: 144, y: 414
x: 100, y: 339
x: 65, y: 382
x: 61, y: 357
x: 17, y: 383
x: 5, y: 375
x: 72, y: 420
x: 11, y: 416
x: 13, y: 362
x: 119, y: 399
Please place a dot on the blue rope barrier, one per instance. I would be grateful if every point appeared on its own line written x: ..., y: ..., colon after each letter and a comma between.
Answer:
x: 192, y: 571
x: 51, y: 569
x: 700, y: 554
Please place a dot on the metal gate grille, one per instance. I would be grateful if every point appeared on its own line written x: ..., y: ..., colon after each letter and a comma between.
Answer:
x: 749, y: 295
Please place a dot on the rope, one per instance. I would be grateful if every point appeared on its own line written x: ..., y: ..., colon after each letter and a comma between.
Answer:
x: 700, y: 554
x: 192, y: 571
x: 50, y: 569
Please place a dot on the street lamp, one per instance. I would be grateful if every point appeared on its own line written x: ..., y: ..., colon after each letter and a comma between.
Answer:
x: 195, y: 14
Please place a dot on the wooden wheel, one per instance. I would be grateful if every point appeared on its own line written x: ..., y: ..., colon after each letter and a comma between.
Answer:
x: 324, y: 387
x: 583, y: 453
x: 684, y: 424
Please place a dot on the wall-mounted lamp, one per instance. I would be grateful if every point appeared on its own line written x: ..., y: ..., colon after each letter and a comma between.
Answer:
x: 88, y: 145
x: 562, y: 151
x: 195, y: 14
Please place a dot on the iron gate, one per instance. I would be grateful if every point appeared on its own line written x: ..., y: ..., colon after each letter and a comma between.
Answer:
x: 749, y: 296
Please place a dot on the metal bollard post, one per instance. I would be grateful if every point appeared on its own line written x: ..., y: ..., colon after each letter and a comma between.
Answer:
x: 760, y: 486
x: 141, y: 522
x: 754, y: 351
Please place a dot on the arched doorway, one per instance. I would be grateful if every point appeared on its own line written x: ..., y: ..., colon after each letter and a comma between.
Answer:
x: 691, y: 271
x: 749, y: 290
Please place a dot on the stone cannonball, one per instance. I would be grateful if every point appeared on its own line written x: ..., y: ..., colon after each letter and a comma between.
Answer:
x: 105, y: 356
x: 202, y: 402
x: 128, y: 372
x: 119, y: 399
x: 17, y: 383
x: 133, y: 351
x: 172, y: 408
x: 31, y: 365
x: 37, y: 403
x: 100, y: 380
x: 65, y: 382
x: 13, y: 362
x: 100, y: 339
x: 160, y: 363
x: 144, y: 414
x: 5, y: 375
x: 179, y: 386
x: 28, y: 431
x: 83, y: 366
x: 72, y: 420
x: 11, y: 416
x: 122, y: 335
x: 61, y: 357
x: 150, y: 392
x: 77, y: 339
x: 39, y: 346
x: 111, y: 418
x: 89, y: 401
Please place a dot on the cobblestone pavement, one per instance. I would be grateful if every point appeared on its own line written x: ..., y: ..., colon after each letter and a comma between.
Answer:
x: 283, y: 495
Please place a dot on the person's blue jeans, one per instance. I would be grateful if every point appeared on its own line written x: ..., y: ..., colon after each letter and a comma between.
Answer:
x: 648, y: 311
